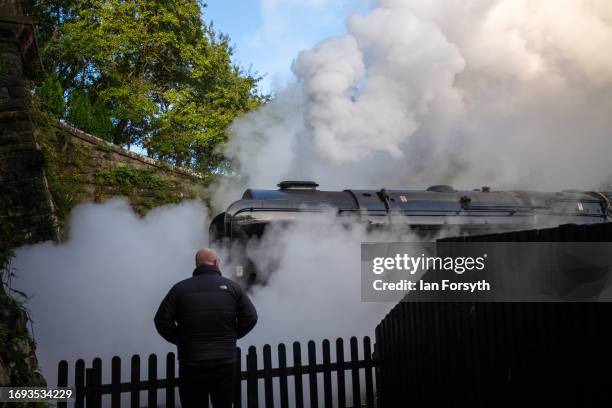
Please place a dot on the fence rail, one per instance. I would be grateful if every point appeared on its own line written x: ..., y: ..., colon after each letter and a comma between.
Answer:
x: 89, y: 388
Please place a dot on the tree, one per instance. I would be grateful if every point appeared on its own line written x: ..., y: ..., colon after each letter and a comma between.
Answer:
x: 51, y: 95
x: 163, y: 78
x: 90, y: 118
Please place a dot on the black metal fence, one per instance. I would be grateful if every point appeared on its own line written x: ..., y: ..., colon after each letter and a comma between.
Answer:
x: 498, y: 354
x: 90, y: 389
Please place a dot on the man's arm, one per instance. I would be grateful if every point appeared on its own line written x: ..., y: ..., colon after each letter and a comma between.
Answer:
x: 165, y: 321
x: 247, y: 315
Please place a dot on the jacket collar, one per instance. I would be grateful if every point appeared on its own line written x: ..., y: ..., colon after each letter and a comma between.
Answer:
x: 206, y: 270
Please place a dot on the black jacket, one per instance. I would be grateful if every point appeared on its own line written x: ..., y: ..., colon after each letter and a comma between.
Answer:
x: 205, y: 315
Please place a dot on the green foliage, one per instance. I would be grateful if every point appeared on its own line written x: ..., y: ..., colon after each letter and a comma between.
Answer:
x: 16, y: 345
x: 6, y: 252
x: 51, y: 95
x: 132, y: 182
x: 101, y: 123
x: 124, y: 178
x: 18, y: 366
x: 153, y: 73
x: 64, y: 186
x: 79, y: 110
x: 94, y: 119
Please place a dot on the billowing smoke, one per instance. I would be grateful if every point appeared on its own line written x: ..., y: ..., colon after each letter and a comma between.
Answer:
x: 507, y: 93
x: 312, y: 267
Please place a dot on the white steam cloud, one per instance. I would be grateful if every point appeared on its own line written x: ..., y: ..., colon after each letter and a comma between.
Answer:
x: 508, y: 93
x: 312, y: 269
x: 95, y: 295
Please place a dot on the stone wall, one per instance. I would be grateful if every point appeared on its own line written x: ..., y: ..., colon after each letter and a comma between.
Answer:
x: 26, y: 208
x: 46, y: 168
x: 80, y: 167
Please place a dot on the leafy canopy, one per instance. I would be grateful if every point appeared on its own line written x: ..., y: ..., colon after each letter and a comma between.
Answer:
x: 144, y: 72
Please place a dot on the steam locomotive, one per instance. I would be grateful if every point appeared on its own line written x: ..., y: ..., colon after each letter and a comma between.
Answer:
x: 425, y: 212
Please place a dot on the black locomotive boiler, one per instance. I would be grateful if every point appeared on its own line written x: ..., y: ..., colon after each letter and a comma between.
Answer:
x: 425, y: 212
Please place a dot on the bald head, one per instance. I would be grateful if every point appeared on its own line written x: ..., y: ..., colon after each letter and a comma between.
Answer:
x: 206, y: 256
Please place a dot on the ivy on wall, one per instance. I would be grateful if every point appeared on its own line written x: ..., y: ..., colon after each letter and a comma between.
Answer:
x: 18, y: 364
x: 144, y: 188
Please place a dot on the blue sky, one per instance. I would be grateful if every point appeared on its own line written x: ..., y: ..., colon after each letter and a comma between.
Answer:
x: 268, y: 34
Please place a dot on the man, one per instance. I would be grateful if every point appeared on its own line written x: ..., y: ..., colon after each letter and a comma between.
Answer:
x: 204, y: 316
